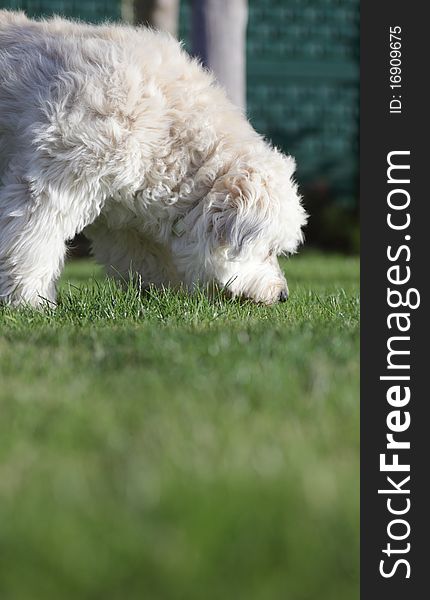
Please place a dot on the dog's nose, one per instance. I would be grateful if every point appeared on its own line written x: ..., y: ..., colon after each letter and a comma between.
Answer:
x: 283, y: 296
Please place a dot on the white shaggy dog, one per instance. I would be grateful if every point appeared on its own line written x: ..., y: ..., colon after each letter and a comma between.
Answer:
x: 115, y: 131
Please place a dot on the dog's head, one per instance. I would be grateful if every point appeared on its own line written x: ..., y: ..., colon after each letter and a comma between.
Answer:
x: 252, y: 215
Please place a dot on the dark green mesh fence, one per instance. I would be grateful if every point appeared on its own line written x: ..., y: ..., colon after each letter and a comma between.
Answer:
x: 87, y: 10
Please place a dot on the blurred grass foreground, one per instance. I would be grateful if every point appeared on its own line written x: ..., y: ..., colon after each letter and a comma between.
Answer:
x: 169, y: 447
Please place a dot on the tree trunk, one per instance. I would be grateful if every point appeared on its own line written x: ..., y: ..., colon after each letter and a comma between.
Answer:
x: 219, y: 40
x: 160, y: 14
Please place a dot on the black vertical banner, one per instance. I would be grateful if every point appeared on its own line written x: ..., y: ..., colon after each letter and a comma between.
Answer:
x: 395, y: 359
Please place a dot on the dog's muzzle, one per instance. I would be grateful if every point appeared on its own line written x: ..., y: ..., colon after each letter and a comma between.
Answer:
x: 283, y: 296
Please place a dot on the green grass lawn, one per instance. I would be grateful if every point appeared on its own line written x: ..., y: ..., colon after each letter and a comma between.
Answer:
x: 165, y: 447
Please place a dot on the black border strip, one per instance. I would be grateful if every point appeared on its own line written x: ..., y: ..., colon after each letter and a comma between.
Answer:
x: 380, y: 134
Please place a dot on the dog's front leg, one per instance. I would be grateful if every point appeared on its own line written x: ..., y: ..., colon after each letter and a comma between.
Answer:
x: 32, y: 247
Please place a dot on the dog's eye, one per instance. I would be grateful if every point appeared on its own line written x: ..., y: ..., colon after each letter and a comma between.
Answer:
x: 271, y: 252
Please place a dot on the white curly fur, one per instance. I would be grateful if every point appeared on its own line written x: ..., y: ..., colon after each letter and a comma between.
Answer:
x: 115, y: 131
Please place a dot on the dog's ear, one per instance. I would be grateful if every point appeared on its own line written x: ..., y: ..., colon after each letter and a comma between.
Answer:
x: 238, y: 210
